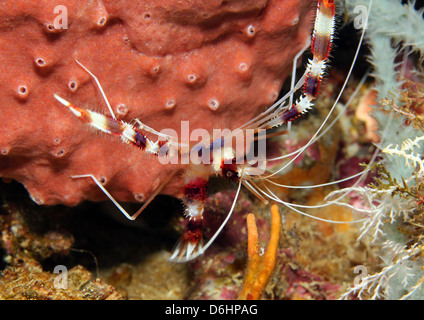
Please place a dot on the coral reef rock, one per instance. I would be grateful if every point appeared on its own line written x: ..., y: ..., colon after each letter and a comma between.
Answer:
x: 213, y: 63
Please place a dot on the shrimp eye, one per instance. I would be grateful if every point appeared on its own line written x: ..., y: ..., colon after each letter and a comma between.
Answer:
x: 229, y: 170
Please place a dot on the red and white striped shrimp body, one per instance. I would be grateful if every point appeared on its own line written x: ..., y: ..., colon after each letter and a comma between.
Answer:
x: 223, y: 159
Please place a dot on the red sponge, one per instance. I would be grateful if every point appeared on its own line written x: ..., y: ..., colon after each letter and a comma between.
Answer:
x: 213, y: 63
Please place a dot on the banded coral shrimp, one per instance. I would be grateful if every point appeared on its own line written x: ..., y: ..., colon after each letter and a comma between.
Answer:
x: 223, y: 160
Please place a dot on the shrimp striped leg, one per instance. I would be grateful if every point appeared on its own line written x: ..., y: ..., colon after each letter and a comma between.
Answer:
x: 322, y: 39
x: 127, y: 132
x: 194, y: 197
x: 196, y: 177
x: 141, y: 125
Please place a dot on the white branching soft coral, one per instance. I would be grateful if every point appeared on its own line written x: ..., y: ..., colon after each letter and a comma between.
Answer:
x: 389, y: 22
x: 400, y: 262
x: 408, y: 152
x: 378, y: 207
x: 392, y: 207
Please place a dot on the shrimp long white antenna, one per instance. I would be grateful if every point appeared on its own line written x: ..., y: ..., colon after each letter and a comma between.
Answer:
x: 254, y: 191
x: 99, y: 86
x: 117, y: 204
x: 292, y: 206
x: 336, y: 201
x: 343, y: 192
x: 317, y: 185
